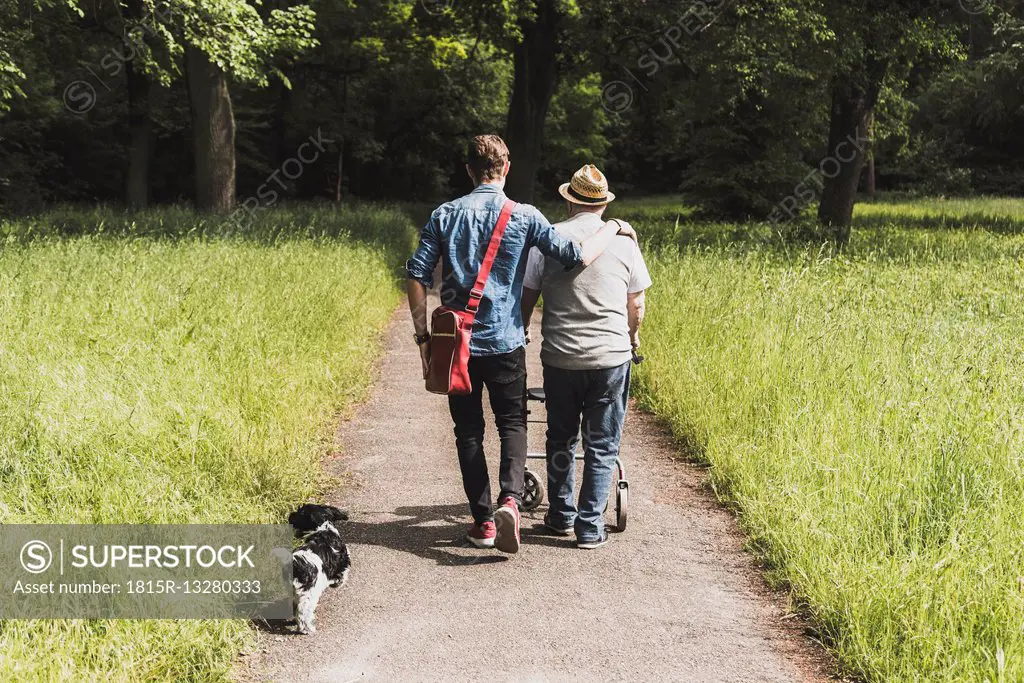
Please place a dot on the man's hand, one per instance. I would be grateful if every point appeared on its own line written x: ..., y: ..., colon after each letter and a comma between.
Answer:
x: 425, y: 358
x: 529, y: 335
x: 627, y: 230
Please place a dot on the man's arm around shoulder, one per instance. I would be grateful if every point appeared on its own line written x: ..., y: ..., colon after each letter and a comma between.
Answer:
x: 566, y: 251
x: 595, y: 245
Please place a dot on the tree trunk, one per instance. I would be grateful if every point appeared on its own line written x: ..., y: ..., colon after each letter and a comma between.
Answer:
x: 342, y: 138
x: 213, y: 130
x: 869, y: 180
x: 139, y: 125
x: 279, y: 125
x: 536, y: 76
x: 140, y: 144
x: 869, y: 172
x: 279, y: 118
x: 853, y: 101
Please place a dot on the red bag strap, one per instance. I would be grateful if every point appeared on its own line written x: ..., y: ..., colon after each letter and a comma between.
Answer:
x: 477, y: 293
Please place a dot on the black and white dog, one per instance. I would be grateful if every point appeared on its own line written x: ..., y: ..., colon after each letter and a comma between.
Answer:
x: 321, y: 562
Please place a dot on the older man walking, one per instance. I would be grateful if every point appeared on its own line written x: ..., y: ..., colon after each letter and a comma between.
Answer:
x: 457, y: 235
x: 590, y: 328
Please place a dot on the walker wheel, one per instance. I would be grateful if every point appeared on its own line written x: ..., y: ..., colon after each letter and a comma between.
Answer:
x: 621, y: 505
x: 533, y: 491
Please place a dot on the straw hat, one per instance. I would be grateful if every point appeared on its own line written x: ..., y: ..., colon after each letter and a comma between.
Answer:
x: 588, y: 187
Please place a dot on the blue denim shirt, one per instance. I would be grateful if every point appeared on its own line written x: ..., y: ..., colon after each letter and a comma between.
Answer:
x: 458, y: 234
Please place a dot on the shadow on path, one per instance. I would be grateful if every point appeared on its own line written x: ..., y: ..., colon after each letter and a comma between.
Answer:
x: 433, y: 532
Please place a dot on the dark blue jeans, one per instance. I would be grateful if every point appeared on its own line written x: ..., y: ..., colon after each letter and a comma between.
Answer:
x: 504, y: 376
x: 595, y: 400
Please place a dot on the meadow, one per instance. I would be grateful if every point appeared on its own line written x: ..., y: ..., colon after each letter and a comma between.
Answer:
x: 161, y: 368
x: 862, y: 412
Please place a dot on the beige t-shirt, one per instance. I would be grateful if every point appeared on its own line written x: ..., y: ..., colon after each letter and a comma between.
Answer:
x: 585, y: 325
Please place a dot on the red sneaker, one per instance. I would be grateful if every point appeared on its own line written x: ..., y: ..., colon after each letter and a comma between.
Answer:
x: 506, y: 518
x: 482, y: 535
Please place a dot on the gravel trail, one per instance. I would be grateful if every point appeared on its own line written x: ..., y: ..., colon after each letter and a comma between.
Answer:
x: 673, y: 598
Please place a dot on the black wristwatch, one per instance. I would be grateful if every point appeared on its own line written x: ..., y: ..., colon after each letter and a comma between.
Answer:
x: 421, y: 339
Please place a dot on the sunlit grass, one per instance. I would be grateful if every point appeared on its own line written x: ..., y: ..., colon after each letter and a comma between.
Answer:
x: 865, y: 413
x: 1004, y: 214
x: 863, y: 409
x: 193, y: 379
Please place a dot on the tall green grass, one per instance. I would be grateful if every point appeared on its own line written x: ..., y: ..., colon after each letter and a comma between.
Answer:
x: 864, y: 412
x: 175, y: 370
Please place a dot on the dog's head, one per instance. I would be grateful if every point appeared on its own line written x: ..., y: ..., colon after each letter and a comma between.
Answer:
x: 310, y: 517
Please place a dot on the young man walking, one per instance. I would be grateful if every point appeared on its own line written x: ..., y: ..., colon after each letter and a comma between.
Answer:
x: 457, y: 234
x: 591, y: 326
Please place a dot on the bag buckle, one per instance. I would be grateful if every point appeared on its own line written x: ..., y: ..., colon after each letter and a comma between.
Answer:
x: 475, y: 295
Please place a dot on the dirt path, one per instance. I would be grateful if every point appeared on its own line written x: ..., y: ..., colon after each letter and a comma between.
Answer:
x: 673, y: 598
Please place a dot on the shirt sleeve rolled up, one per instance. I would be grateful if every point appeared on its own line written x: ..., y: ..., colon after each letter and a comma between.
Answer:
x: 421, y: 266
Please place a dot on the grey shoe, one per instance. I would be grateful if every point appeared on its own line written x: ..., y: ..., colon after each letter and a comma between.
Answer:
x: 596, y: 543
x: 557, y: 530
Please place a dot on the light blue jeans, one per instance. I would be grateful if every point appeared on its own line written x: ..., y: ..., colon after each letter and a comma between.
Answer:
x: 596, y: 401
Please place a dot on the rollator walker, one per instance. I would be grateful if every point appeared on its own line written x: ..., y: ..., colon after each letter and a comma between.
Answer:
x: 534, y: 489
